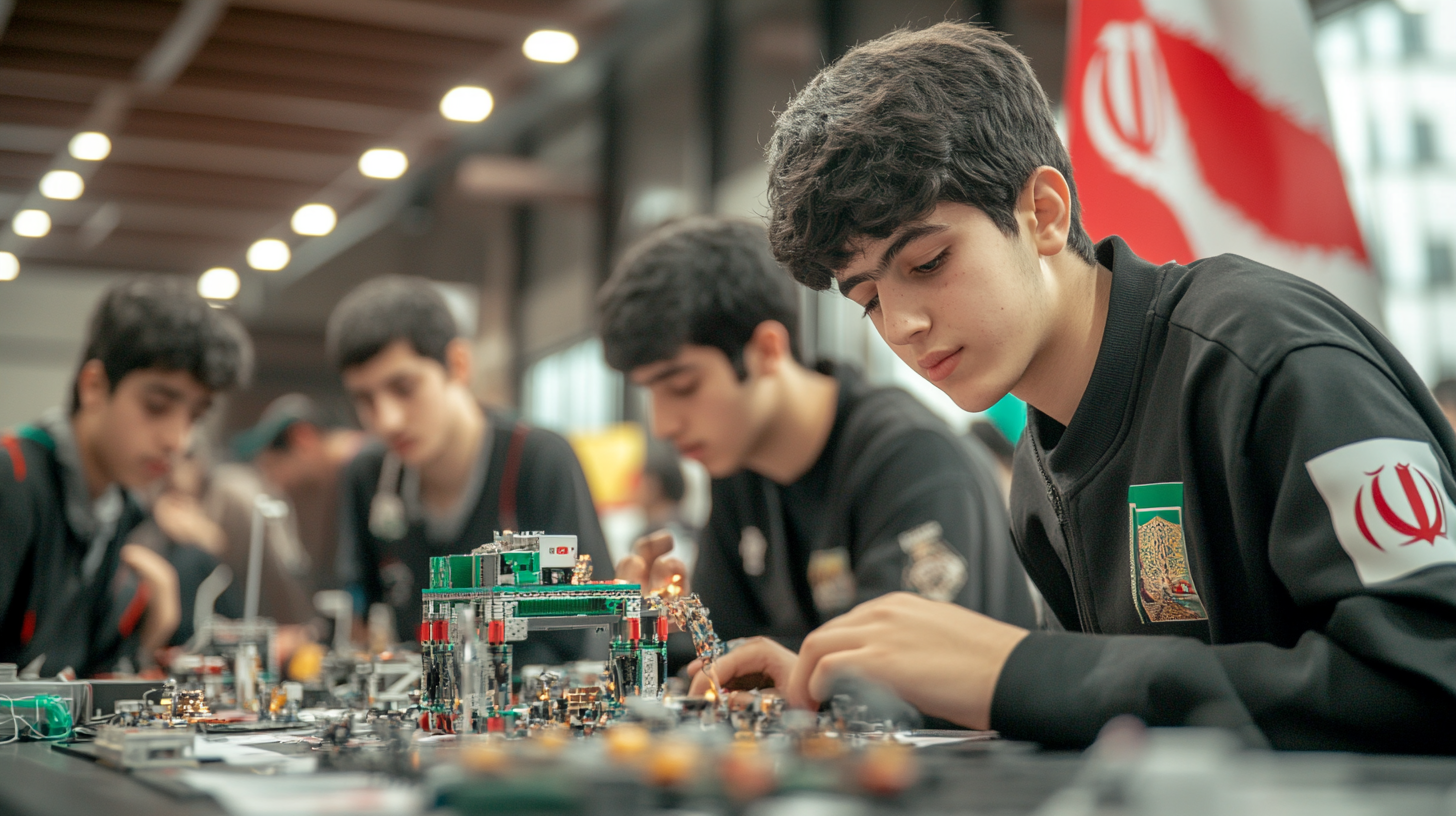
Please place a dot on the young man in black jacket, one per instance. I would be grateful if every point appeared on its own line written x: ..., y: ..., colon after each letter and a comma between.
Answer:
x: 73, y: 594
x: 446, y: 473
x: 826, y: 491
x: 1233, y: 491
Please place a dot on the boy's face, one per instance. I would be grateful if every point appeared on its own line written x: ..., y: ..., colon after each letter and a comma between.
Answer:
x: 959, y: 301
x: 143, y: 425
x: 701, y: 407
x: 402, y: 397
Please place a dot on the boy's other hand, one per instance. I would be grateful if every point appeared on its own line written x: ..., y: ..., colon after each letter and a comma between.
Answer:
x: 651, y: 566
x: 754, y: 662
x: 941, y: 658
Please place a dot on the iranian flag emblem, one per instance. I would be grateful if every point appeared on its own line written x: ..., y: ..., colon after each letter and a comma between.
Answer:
x: 1200, y: 127
x: 1389, y: 508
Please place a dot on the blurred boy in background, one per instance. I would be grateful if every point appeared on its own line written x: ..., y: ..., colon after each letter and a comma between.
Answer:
x: 155, y: 356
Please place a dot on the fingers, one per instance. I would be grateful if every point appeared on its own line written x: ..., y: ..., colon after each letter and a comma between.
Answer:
x: 653, y: 545
x: 666, y: 568
x: 822, y: 643
x: 755, y: 656
x: 632, y: 569
x: 830, y: 667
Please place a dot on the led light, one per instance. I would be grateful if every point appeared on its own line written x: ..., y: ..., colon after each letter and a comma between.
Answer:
x: 467, y: 103
x: 9, y: 266
x: 62, y: 184
x: 90, y: 146
x: 314, y: 219
x: 383, y: 163
x: 550, y: 46
x: 219, y: 283
x: 268, y: 255
x: 31, y: 223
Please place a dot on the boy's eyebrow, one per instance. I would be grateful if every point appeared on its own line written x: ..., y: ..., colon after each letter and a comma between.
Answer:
x: 166, y: 391
x: 670, y: 371
x: 906, y: 235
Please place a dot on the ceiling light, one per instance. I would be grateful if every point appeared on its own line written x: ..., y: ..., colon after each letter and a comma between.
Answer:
x: 90, y: 146
x: 383, y: 163
x: 62, y: 184
x: 467, y: 103
x: 31, y: 223
x: 219, y: 283
x: 9, y: 266
x: 314, y: 219
x: 268, y: 255
x: 550, y: 46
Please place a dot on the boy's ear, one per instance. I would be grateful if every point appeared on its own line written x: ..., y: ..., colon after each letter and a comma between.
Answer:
x: 458, y: 360
x: 93, y: 387
x: 768, y: 348
x: 1045, y: 210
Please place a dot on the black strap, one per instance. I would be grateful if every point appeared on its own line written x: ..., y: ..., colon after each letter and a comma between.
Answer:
x: 510, y: 477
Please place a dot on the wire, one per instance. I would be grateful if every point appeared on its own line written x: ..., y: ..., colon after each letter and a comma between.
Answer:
x: 55, y: 709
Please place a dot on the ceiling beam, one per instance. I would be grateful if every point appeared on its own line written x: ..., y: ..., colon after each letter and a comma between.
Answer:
x: 569, y: 84
x: 179, y: 44
x: 411, y: 15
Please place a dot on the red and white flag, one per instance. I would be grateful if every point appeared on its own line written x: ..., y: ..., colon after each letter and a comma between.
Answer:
x: 1199, y: 127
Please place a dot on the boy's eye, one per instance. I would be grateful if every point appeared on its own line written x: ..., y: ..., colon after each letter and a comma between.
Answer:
x: 873, y: 306
x: 932, y: 264
x: 683, y: 389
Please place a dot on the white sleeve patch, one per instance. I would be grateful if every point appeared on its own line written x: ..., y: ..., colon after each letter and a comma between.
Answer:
x: 1390, y: 510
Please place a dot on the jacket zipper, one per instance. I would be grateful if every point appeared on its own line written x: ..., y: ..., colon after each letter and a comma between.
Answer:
x: 1081, y: 594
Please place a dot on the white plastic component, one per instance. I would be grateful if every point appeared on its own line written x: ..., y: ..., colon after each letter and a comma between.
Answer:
x: 558, y: 551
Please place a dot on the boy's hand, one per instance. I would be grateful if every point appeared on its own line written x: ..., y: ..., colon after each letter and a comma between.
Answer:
x: 754, y: 659
x: 651, y: 566
x: 941, y: 658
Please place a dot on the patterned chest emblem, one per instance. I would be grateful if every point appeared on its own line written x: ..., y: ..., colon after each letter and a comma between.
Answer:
x: 934, y: 569
x: 1162, y: 582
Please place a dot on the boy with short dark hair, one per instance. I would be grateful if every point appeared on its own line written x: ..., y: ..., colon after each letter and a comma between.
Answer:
x: 156, y: 354
x: 1219, y: 454
x: 826, y: 491
x: 447, y: 473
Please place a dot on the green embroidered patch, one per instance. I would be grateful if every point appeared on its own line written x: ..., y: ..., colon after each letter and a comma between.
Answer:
x: 1162, y: 582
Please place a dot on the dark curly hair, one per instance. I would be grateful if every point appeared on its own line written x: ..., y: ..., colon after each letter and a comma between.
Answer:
x: 704, y: 280
x: 951, y: 113
x: 157, y: 322
x: 389, y: 308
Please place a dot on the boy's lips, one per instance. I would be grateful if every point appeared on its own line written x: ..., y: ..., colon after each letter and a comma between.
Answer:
x: 938, y: 365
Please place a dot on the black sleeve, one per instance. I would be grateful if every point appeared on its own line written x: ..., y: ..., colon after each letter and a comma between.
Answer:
x: 554, y: 497
x: 17, y: 529
x: 356, y: 562
x: 1375, y: 668
x: 925, y: 521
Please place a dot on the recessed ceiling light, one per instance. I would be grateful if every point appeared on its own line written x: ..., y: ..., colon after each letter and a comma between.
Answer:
x: 467, y: 103
x: 9, y: 266
x: 90, y: 146
x: 268, y: 255
x: 550, y: 46
x: 63, y: 185
x: 383, y: 163
x: 219, y: 283
x: 31, y: 223
x: 314, y: 219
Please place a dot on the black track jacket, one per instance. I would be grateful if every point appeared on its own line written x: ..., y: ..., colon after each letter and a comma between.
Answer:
x: 1247, y: 520
x: 551, y: 496
x: 907, y: 505
x: 47, y: 607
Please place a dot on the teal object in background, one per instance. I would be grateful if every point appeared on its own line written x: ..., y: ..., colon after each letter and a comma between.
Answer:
x: 1009, y: 417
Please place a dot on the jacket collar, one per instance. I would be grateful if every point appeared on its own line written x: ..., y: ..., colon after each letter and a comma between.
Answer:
x: 1108, y: 402
x: 93, y: 522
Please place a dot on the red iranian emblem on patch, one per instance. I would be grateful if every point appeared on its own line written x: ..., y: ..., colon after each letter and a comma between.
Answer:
x: 1389, y: 506
x: 1427, y: 521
